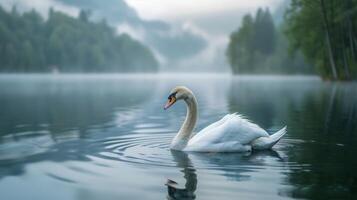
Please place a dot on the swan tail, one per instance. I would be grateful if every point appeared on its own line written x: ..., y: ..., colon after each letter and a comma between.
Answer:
x: 268, y: 142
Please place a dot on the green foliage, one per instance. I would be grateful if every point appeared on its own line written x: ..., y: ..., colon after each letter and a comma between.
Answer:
x: 258, y: 47
x: 325, y: 31
x: 28, y: 43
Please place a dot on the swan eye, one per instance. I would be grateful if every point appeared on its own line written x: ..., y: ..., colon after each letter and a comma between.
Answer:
x: 173, y: 95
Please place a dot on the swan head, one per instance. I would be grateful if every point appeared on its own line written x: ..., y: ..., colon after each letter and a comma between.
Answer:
x: 176, y: 94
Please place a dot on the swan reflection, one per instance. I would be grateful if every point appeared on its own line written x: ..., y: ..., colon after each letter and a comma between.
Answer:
x: 234, y: 167
x: 188, y: 192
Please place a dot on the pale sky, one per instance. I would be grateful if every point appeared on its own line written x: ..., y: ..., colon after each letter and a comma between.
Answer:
x: 172, y: 10
x: 214, y: 19
x: 211, y: 15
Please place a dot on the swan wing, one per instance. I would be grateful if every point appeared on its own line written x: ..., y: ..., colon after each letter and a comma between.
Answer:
x: 215, y: 124
x: 231, y: 129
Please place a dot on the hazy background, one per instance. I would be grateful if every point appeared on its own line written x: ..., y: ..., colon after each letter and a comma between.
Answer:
x: 229, y: 36
x: 183, y: 35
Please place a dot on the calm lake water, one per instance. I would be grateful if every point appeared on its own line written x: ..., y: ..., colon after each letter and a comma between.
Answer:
x: 107, y: 137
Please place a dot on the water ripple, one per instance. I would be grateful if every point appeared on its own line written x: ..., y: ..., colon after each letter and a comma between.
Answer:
x: 153, y: 149
x: 139, y: 148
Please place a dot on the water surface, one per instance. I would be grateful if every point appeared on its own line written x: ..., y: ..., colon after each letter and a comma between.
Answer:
x: 107, y: 137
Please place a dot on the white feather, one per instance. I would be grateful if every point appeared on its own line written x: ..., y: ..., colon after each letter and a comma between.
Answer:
x: 231, y: 133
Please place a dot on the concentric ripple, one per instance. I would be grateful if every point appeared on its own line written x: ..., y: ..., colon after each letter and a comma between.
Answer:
x: 150, y: 149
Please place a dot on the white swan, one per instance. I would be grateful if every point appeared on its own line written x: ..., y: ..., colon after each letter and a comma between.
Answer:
x: 230, y: 134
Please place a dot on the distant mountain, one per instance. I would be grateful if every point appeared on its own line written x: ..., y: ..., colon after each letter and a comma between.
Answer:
x: 170, y: 44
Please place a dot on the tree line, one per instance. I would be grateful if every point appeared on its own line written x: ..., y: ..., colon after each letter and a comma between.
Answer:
x: 325, y: 31
x: 258, y: 46
x: 316, y: 36
x: 29, y: 43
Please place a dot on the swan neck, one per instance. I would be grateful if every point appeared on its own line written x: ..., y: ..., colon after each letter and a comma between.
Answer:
x: 183, y: 136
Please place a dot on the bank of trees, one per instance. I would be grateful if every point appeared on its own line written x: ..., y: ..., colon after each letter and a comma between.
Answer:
x: 323, y: 31
x: 258, y: 46
x: 29, y: 43
x: 326, y: 32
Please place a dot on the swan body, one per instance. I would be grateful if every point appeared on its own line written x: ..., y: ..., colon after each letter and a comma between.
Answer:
x: 232, y: 133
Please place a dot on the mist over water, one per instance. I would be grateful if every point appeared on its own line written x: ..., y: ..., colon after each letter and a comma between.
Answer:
x: 107, y: 137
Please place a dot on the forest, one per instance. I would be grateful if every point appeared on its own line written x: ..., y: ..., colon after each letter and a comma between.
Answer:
x: 325, y: 31
x: 316, y: 36
x: 259, y: 47
x: 29, y: 43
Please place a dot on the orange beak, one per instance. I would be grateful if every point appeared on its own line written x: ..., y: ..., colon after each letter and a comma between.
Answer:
x: 169, y: 103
